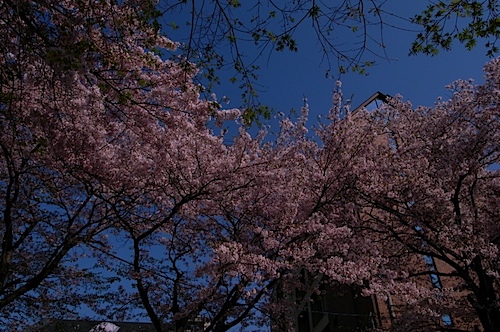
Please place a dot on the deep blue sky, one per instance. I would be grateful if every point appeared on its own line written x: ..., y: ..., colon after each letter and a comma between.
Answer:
x: 420, y: 79
x: 287, y: 77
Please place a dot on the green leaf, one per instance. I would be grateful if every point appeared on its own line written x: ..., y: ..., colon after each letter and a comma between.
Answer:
x: 256, y: 37
x: 173, y: 25
x: 314, y: 11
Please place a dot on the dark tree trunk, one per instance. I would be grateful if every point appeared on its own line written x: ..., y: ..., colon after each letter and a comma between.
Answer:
x: 485, y: 301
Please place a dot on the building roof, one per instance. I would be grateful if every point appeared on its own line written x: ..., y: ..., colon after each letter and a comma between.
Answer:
x: 376, y: 97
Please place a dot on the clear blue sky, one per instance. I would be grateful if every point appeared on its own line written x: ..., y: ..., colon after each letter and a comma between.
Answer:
x: 287, y: 77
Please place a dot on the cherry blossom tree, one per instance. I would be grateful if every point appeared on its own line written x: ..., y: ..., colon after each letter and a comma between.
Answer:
x: 111, y: 158
x: 79, y: 83
x: 101, y: 138
x: 430, y: 198
x: 217, y: 226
